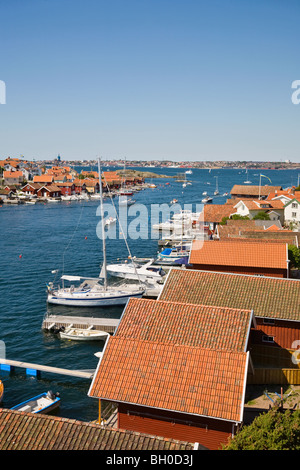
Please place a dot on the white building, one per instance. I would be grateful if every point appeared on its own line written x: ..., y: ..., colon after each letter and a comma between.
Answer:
x: 292, y: 212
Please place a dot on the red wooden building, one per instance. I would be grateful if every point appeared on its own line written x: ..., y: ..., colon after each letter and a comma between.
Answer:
x: 265, y: 259
x: 275, y: 302
x: 177, y: 370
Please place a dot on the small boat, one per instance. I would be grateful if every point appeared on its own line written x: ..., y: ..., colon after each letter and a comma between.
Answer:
x: 184, y: 185
x: 110, y: 221
x: 1, y: 391
x: 137, y: 270
x: 179, y: 254
x: 43, y: 403
x: 225, y: 194
x: 83, y: 334
x: 204, y: 193
x: 125, y: 201
x: 207, y: 199
x: 189, y: 172
x: 174, y: 201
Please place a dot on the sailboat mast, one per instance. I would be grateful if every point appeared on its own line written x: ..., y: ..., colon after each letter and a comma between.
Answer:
x: 103, y: 230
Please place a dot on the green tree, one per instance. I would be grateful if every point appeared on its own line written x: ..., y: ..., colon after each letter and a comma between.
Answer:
x: 261, y: 216
x: 294, y: 256
x: 240, y: 217
x: 274, y: 430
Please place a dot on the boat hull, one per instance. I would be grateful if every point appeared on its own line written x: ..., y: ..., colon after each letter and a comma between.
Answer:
x: 38, y: 404
x: 80, y: 335
x: 88, y: 302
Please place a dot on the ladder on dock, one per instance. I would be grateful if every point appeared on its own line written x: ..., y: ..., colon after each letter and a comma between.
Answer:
x: 52, y: 322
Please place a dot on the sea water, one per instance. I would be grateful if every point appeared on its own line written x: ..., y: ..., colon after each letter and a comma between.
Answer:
x: 41, y: 238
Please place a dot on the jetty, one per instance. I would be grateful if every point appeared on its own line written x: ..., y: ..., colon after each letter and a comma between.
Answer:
x: 53, y: 322
x: 9, y: 365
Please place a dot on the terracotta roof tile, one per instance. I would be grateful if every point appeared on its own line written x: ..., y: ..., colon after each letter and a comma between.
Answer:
x: 173, y: 377
x: 216, y: 212
x: 28, y: 431
x: 219, y: 253
x: 268, y: 297
x: 43, y: 179
x: 254, y: 190
x: 186, y: 324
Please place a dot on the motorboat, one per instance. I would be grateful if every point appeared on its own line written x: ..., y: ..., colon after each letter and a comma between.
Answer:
x: 43, y: 403
x: 110, y: 221
x: 207, y: 199
x: 125, y: 201
x: 93, y: 292
x: 83, y: 334
x: 204, y: 193
x: 179, y: 254
x: 189, y: 172
x: 136, y: 270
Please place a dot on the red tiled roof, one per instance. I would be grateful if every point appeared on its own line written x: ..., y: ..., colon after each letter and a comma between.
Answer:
x: 186, y: 324
x: 12, y: 174
x: 43, y: 179
x: 268, y: 255
x: 254, y: 190
x: 172, y: 377
x: 28, y: 431
x: 268, y: 297
x: 216, y: 212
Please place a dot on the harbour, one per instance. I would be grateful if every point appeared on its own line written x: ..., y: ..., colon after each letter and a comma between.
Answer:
x: 42, y: 238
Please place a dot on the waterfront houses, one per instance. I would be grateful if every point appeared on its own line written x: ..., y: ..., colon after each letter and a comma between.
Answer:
x: 177, y: 369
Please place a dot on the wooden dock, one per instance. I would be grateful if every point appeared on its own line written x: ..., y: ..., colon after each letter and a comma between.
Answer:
x: 57, y: 321
x: 35, y: 369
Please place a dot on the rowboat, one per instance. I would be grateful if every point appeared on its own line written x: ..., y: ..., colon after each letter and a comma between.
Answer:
x: 83, y: 334
x: 43, y: 403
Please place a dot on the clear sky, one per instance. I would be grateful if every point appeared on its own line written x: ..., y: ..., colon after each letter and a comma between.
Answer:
x: 150, y: 79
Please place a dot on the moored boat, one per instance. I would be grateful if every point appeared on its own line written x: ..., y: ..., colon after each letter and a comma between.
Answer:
x: 83, y: 334
x: 43, y: 403
x: 207, y: 199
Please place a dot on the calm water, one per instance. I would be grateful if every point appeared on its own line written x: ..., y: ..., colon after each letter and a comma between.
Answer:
x: 38, y: 239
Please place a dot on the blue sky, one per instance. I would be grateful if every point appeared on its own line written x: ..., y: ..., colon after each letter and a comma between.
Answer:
x: 150, y: 79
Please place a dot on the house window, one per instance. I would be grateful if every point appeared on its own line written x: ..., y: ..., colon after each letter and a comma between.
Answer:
x: 268, y: 321
x: 294, y: 205
x: 294, y: 214
x: 268, y: 339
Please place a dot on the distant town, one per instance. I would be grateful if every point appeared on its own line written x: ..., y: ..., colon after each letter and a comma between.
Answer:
x: 58, y: 160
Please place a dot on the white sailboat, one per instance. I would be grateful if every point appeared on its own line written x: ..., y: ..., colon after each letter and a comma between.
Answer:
x: 92, y: 292
x: 247, y: 181
x: 217, y: 189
